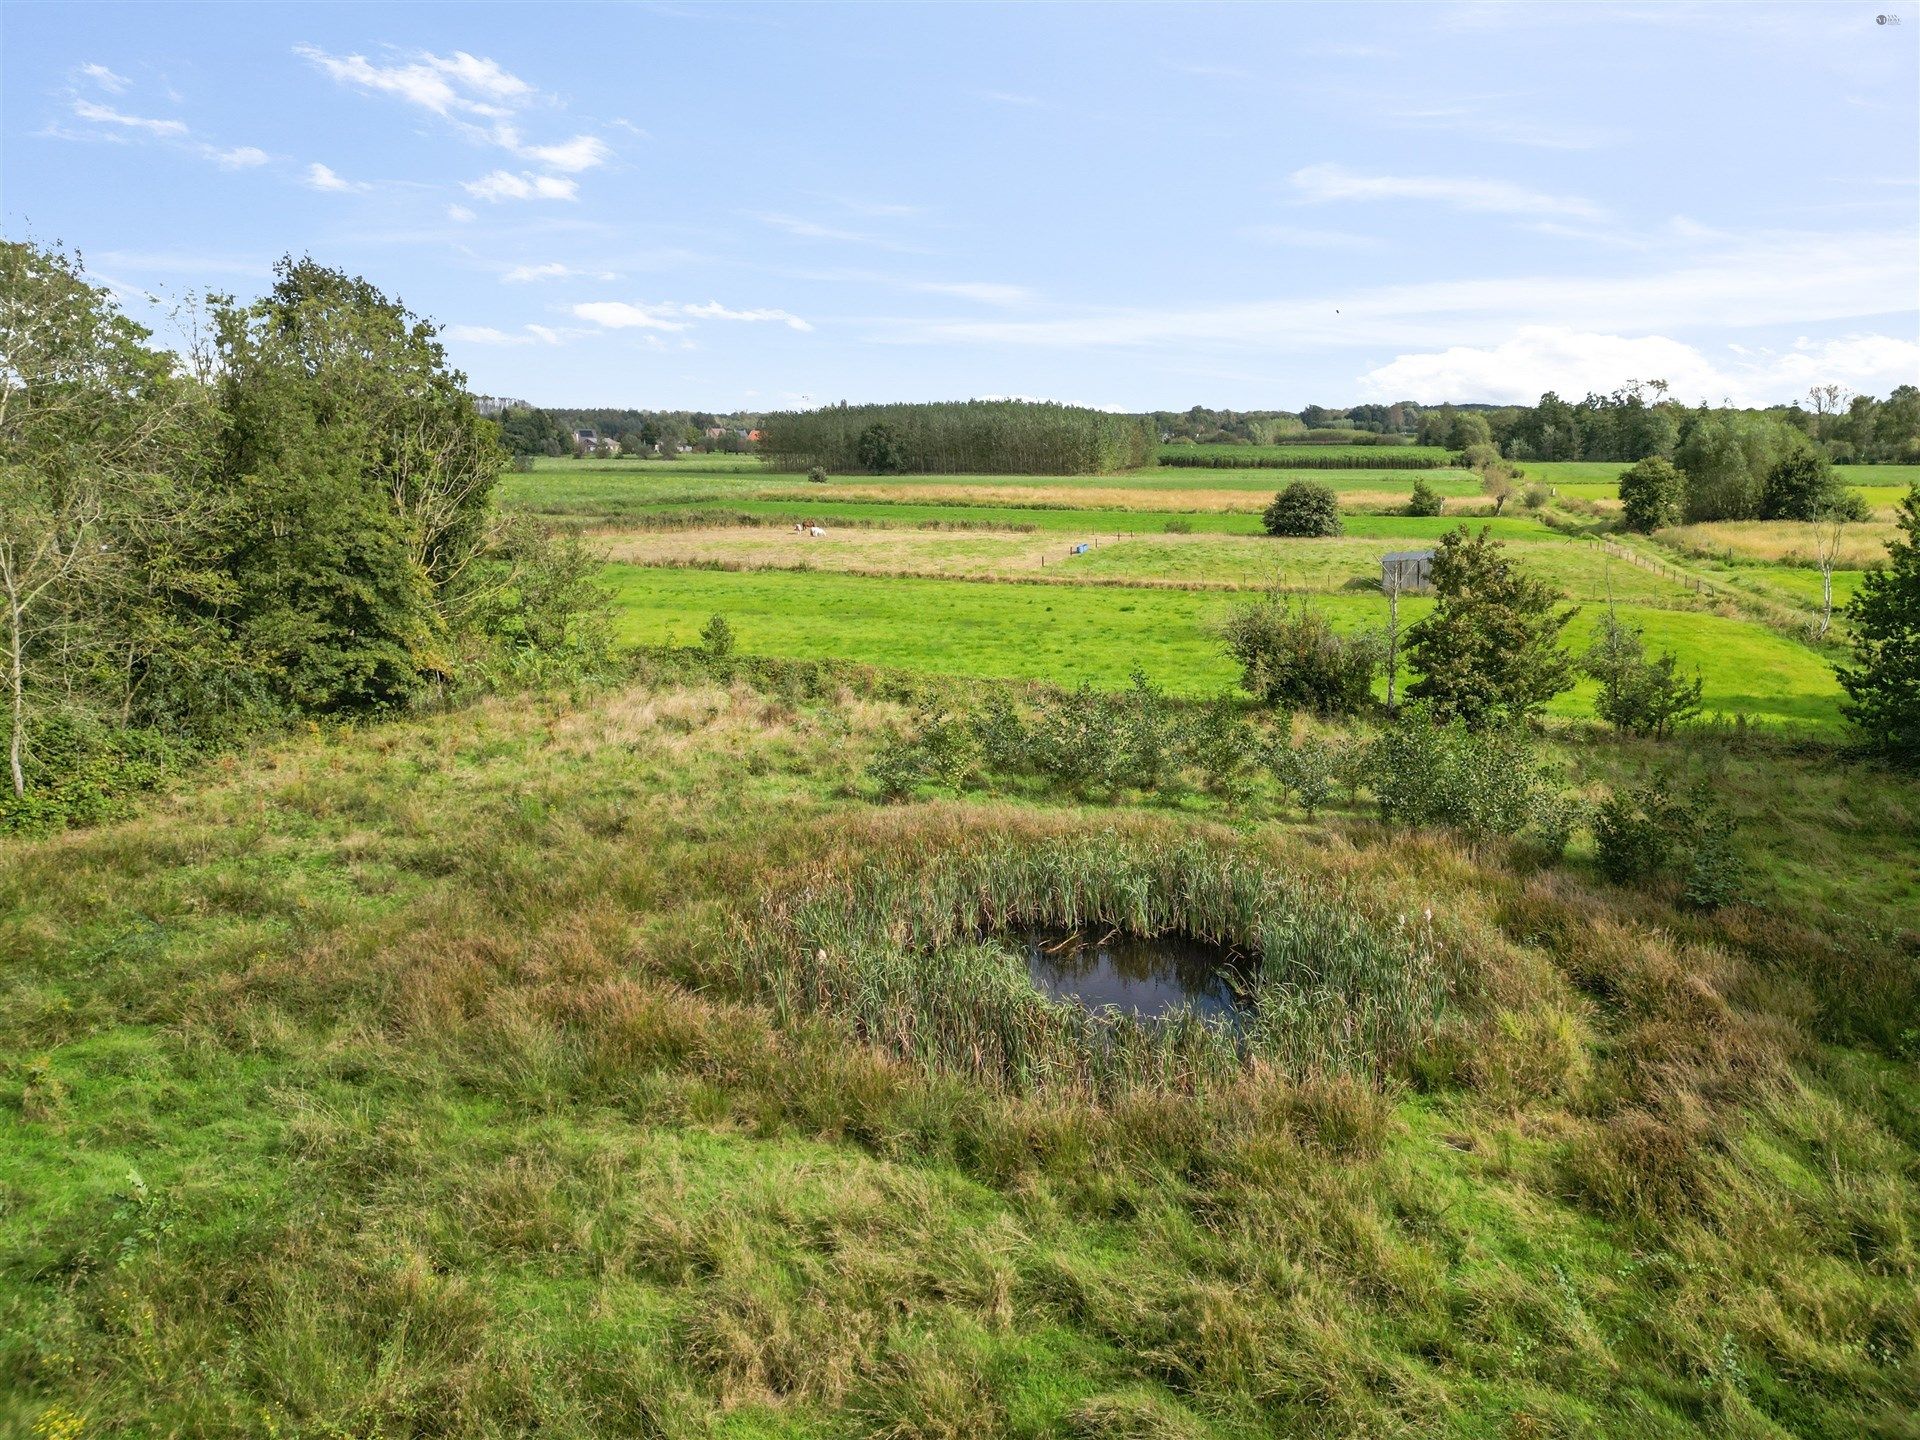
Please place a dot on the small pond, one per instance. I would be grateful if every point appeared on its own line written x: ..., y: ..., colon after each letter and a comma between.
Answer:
x: 1151, y: 978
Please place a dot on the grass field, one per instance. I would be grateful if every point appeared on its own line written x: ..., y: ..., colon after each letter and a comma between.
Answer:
x: 1071, y: 633
x: 1282, y: 452
x: 439, y: 1078
x: 615, y: 1062
x: 880, y: 588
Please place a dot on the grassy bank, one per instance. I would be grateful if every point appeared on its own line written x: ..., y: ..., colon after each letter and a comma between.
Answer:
x: 409, y: 1081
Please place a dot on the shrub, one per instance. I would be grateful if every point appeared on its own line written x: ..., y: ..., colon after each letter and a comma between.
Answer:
x: 1489, y: 649
x: 1714, y: 876
x: 1482, y: 783
x: 1221, y: 745
x: 1292, y: 658
x: 1635, y: 831
x: 1802, y: 486
x: 1303, y: 509
x: 1177, y: 526
x: 1652, y: 495
x: 1637, y: 696
x: 1307, y: 771
x: 1883, y: 684
x: 1425, y: 500
x: 817, y: 475
x: 1088, y: 740
x: 716, y: 638
x: 939, y: 748
x: 1535, y: 495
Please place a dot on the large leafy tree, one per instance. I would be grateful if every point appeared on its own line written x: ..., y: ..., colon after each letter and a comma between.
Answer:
x: 1883, y: 684
x: 100, y: 536
x: 1652, y: 495
x: 1490, y: 647
x: 363, y: 478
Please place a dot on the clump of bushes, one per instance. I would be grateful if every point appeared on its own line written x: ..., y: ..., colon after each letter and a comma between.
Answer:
x: 1304, y: 510
x: 1638, y: 695
x: 1292, y: 658
x: 1424, y: 500
x: 1644, y: 832
x: 817, y: 475
x: 1178, y: 526
x: 716, y: 637
x: 1487, y: 783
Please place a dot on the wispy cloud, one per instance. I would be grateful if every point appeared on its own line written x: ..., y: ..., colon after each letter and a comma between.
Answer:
x: 323, y: 177
x: 1324, y: 183
x: 1778, y: 279
x: 105, y: 78
x: 814, y: 230
x: 490, y: 335
x: 460, y: 214
x: 447, y: 85
x: 505, y: 185
x: 240, y: 157
x: 1008, y: 97
x: 526, y: 274
x: 713, y: 310
x: 582, y: 152
x: 107, y: 115
x: 620, y: 315
x: 1538, y: 358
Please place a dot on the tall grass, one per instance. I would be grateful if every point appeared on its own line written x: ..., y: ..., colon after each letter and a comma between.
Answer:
x: 894, y: 948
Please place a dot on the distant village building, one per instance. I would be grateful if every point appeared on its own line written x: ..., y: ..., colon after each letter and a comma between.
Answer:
x: 1407, y: 571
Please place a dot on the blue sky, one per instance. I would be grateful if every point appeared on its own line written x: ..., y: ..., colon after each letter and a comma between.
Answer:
x: 1128, y: 206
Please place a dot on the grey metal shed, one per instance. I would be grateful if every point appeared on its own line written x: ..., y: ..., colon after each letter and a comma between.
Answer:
x: 1406, y: 570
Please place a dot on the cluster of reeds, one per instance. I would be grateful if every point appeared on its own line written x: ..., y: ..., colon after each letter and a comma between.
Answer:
x: 901, y: 951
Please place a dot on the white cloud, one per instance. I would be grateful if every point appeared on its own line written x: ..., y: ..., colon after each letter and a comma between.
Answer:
x: 713, y: 310
x: 489, y: 335
x: 106, y: 115
x: 668, y: 315
x: 447, y: 85
x: 986, y: 292
x: 478, y: 335
x: 322, y: 177
x: 241, y: 157
x: 505, y: 185
x: 526, y: 274
x: 105, y: 78
x: 583, y: 152
x: 1321, y: 183
x: 1768, y: 280
x: 459, y: 213
x: 618, y: 315
x: 1538, y: 358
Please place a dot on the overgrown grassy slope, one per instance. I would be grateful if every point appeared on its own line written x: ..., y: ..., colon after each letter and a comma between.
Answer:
x: 430, y: 1080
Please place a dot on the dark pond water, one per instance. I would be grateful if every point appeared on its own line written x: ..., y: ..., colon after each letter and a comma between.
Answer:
x: 1152, y: 978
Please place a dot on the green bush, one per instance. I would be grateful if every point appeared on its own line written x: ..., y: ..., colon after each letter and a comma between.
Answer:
x: 1177, y: 526
x: 1483, y: 783
x: 939, y: 748
x: 1652, y: 495
x: 716, y: 637
x: 1425, y: 500
x: 1308, y: 772
x: 1292, y: 658
x: 1638, y: 696
x: 817, y: 475
x: 1635, y: 831
x: 1303, y: 509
